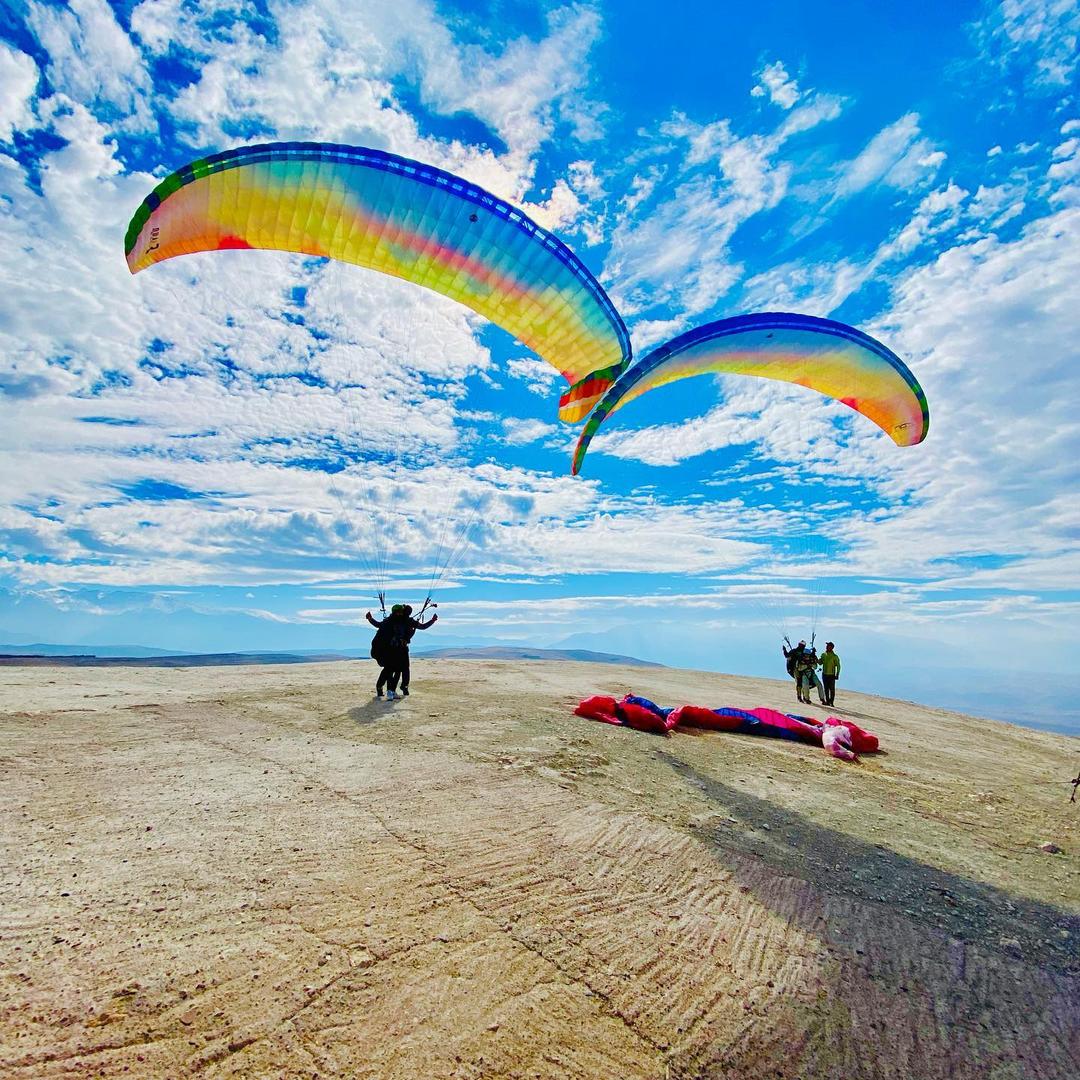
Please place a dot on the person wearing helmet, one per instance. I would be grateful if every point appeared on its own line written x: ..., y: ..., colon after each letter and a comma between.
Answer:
x: 792, y: 655
x: 391, y: 642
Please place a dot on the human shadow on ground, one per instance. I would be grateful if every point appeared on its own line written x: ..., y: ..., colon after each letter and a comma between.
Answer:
x: 375, y: 710
x: 971, y: 911
x: 838, y: 710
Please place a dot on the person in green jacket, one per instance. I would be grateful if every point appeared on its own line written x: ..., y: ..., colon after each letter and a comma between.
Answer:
x: 830, y: 672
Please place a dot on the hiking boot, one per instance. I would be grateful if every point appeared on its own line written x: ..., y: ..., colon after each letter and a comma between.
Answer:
x: 390, y: 695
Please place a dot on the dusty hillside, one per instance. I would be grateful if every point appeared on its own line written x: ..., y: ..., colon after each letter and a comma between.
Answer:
x: 261, y: 872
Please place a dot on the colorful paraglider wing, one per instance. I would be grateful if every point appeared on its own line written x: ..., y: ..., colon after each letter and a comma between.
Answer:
x: 399, y: 217
x: 836, y: 360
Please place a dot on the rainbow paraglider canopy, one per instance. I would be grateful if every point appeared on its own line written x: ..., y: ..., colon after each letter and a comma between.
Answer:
x: 830, y: 357
x: 399, y: 217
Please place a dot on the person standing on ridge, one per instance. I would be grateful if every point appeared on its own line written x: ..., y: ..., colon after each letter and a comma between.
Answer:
x: 830, y: 672
x: 410, y: 627
x: 385, y: 632
x: 392, y: 639
x: 806, y: 676
x: 815, y: 682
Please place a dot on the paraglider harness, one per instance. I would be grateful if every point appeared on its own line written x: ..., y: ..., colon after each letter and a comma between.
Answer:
x: 384, y: 632
x: 793, y: 655
x: 380, y: 643
x: 396, y: 630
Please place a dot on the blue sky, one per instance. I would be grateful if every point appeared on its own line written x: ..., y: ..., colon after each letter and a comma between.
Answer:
x: 181, y: 467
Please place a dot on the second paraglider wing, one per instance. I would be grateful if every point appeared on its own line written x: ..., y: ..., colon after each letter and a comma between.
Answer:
x: 834, y: 359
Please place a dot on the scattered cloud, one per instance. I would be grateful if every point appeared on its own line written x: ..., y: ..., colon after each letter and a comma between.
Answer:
x: 521, y: 432
x: 774, y: 81
x: 332, y: 70
x: 1040, y: 36
x: 898, y: 156
x: 18, y: 82
x: 538, y: 375
x: 93, y: 61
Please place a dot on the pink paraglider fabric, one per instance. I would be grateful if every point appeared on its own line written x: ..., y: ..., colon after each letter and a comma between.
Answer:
x: 836, y: 740
x: 805, y: 730
x: 840, y: 738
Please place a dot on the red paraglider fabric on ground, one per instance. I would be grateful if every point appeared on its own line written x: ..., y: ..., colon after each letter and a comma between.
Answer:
x: 623, y: 713
x: 710, y: 719
x: 642, y: 719
x: 598, y: 708
x: 644, y: 715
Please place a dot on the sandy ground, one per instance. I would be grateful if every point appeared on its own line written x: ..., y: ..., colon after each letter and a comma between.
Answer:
x: 261, y: 872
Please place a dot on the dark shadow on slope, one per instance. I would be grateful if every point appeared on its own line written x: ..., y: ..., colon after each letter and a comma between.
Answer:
x: 836, y: 710
x: 375, y: 710
x: 966, y: 980
x: 971, y: 911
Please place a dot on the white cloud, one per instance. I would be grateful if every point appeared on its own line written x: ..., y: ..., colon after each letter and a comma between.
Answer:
x: 538, y: 375
x: 812, y: 289
x: 818, y: 289
x: 575, y: 205
x: 207, y: 373
x: 988, y: 328
x: 1042, y: 36
x: 92, y: 60
x: 937, y: 212
x: 672, y: 234
x: 519, y: 431
x: 1065, y: 169
x: 677, y: 252
x: 331, y: 71
x: 782, y: 422
x: 774, y: 80
x: 898, y: 156
x: 18, y: 80
x: 816, y: 109
x: 650, y: 332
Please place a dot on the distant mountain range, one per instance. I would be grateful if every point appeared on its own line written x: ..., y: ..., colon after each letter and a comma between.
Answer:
x: 517, y: 652
x: 163, y: 660
x: 40, y: 649
x: 43, y: 655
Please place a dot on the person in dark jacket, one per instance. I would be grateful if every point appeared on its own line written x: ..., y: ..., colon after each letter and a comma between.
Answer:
x: 792, y: 657
x: 391, y: 644
x: 380, y: 644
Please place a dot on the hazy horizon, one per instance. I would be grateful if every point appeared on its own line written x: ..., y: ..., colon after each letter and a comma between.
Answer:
x: 1041, y: 700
